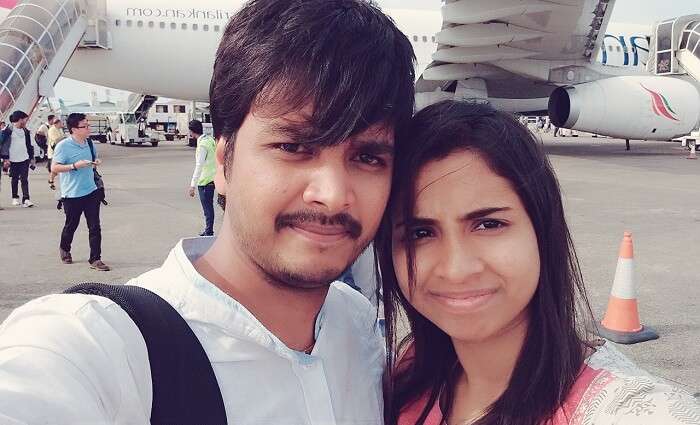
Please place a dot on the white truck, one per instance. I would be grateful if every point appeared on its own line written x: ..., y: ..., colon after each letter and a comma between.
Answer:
x: 126, y: 130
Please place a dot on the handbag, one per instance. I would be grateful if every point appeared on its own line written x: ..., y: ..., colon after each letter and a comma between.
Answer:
x: 100, y: 192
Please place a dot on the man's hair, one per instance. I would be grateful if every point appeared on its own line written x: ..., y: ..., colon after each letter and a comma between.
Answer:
x: 50, y: 118
x: 73, y: 120
x: 17, y: 115
x: 196, y: 127
x: 345, y: 58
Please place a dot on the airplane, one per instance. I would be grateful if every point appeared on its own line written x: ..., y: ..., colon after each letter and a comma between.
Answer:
x: 525, y: 56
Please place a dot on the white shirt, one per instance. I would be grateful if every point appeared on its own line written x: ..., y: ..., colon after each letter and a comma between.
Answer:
x: 200, y: 157
x: 79, y: 359
x: 18, y: 146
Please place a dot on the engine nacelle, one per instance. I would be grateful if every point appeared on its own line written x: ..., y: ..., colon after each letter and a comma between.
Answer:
x: 629, y: 107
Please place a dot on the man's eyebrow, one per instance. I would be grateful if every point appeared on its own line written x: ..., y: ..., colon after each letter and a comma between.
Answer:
x: 374, y: 146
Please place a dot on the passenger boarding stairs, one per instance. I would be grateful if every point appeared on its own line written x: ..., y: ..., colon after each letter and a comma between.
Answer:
x: 675, y: 47
x: 140, y: 104
x: 37, y: 39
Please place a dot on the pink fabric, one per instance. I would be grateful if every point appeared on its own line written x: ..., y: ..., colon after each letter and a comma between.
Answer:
x: 8, y: 4
x: 562, y: 417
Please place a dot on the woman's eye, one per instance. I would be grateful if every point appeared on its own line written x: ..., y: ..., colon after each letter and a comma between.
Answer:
x: 416, y: 234
x: 489, y: 225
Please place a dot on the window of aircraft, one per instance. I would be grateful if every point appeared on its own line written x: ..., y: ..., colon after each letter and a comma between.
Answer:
x: 610, y: 48
x: 415, y: 38
x: 433, y: 39
x: 693, y: 40
x: 162, y: 109
x: 217, y: 28
x: 617, y: 48
x: 195, y: 27
x: 684, y: 39
x: 425, y: 39
x: 118, y: 22
x: 161, y: 24
x: 173, y: 25
x: 179, y: 109
x: 150, y: 24
x: 205, y: 27
x: 128, y: 22
x: 184, y: 26
x: 139, y: 24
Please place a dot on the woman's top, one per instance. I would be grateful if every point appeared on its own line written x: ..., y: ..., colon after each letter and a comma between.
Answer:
x: 611, y: 390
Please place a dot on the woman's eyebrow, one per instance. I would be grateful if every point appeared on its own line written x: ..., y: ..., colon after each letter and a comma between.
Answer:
x: 482, y: 212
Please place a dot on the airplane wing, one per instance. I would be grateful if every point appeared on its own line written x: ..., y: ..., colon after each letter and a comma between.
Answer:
x: 513, y: 49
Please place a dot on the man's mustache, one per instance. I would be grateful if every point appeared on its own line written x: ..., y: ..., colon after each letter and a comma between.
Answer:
x: 352, y: 226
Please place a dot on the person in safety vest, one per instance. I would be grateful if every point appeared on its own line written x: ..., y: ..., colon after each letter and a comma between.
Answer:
x: 203, y: 175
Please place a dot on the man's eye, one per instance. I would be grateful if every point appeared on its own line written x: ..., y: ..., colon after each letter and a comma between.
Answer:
x: 490, y: 225
x: 293, y: 148
x: 372, y: 160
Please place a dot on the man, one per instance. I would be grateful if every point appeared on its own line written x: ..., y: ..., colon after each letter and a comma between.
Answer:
x: 203, y: 175
x: 305, y: 99
x: 17, y: 152
x: 73, y: 159
x: 54, y: 135
x: 41, y: 135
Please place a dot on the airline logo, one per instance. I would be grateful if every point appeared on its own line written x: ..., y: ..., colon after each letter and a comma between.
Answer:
x: 8, y: 4
x: 660, y: 106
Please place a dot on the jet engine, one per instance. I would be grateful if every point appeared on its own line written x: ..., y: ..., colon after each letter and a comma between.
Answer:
x: 628, y: 107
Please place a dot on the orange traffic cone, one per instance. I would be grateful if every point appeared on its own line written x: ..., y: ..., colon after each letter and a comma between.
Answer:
x: 621, y: 322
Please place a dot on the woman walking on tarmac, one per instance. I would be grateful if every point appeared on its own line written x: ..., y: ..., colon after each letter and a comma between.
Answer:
x: 475, y: 248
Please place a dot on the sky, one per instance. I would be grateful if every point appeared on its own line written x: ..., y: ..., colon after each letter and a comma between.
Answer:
x: 625, y: 11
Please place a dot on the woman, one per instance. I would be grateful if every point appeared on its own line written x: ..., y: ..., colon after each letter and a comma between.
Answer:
x: 476, y: 250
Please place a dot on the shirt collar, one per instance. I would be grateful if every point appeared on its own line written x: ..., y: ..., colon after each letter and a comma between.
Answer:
x: 199, y: 300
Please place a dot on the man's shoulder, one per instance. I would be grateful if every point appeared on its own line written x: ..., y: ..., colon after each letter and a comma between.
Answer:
x: 70, y: 325
x: 354, y: 307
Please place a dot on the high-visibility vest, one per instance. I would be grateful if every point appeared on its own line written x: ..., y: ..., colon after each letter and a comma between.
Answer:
x: 209, y: 167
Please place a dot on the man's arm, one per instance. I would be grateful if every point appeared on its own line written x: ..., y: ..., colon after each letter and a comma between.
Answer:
x: 57, y: 167
x: 73, y: 359
x: 60, y: 163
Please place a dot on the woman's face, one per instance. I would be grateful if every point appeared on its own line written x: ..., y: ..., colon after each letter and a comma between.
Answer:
x: 477, y: 260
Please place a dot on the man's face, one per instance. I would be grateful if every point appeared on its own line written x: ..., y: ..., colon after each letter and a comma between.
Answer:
x: 303, y: 213
x: 83, y: 129
x: 22, y: 123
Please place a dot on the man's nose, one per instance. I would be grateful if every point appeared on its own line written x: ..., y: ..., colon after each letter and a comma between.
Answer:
x: 330, y: 188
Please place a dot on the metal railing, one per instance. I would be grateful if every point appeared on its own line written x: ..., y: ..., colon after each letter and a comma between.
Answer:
x: 30, y: 37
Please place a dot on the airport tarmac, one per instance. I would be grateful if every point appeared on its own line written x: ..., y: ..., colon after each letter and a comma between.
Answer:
x: 651, y: 191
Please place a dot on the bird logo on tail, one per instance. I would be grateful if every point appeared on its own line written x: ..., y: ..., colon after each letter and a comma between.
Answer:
x: 660, y: 105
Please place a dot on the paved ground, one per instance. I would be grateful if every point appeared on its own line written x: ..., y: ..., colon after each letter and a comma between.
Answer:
x: 650, y: 191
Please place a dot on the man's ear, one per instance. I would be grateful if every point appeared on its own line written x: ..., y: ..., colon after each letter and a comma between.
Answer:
x: 220, y: 176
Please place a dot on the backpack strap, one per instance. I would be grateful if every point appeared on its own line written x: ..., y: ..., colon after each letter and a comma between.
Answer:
x: 185, y: 389
x: 92, y: 149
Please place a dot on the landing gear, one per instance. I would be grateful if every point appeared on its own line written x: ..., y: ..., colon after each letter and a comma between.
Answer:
x: 627, y: 144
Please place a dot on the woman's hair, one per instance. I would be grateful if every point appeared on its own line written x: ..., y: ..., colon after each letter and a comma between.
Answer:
x: 553, y: 350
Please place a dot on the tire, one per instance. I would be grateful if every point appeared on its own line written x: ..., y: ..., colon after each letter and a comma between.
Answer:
x: 154, y: 144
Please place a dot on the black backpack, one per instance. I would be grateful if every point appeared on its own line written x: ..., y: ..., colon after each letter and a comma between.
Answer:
x: 185, y: 390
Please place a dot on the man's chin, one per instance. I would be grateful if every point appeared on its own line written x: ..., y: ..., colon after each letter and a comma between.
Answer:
x: 310, y: 277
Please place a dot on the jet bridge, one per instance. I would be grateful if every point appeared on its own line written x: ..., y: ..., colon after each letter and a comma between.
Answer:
x: 37, y: 39
x: 675, y: 47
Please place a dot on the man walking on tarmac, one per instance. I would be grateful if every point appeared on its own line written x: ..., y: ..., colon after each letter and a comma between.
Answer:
x: 74, y: 159
x: 203, y: 175
x: 305, y: 99
x: 17, y: 153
